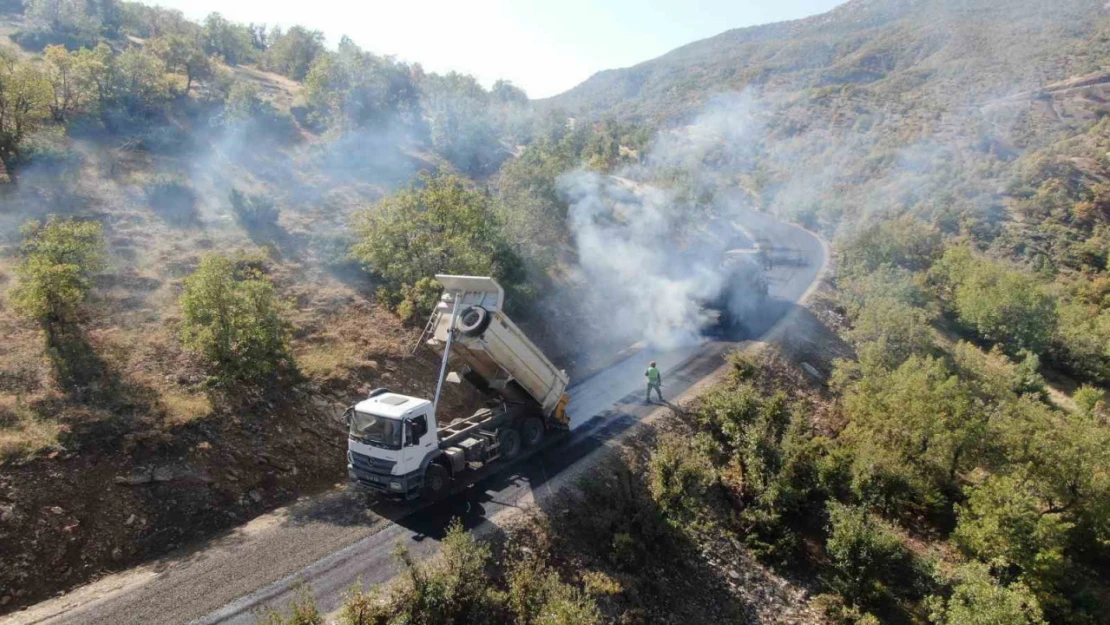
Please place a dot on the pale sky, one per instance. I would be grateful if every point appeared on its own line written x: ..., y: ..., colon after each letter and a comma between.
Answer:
x: 543, y: 47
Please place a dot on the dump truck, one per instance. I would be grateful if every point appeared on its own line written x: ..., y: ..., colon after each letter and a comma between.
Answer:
x: 395, y: 444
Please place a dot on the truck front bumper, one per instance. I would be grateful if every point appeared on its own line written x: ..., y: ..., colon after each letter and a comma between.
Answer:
x: 402, y: 486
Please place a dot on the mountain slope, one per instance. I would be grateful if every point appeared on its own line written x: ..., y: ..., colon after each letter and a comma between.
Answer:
x: 893, y: 46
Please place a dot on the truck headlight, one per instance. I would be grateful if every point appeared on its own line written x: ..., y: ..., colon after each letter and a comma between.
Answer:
x: 395, y: 486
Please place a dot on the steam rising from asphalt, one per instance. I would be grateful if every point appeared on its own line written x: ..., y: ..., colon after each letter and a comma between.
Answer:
x: 630, y: 264
x: 649, y: 259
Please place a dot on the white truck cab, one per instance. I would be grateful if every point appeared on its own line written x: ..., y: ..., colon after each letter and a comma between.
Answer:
x: 390, y: 438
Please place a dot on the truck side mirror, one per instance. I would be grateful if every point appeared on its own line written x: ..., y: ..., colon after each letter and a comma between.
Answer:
x: 346, y: 418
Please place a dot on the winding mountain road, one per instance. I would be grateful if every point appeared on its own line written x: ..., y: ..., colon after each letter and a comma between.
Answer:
x: 332, y: 541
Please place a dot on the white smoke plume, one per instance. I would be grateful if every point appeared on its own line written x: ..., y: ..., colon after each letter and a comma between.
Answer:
x: 649, y: 259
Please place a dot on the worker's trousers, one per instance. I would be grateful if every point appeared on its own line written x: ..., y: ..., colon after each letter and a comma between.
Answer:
x: 657, y: 391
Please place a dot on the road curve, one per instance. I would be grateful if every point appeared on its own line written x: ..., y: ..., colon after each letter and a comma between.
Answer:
x: 332, y: 541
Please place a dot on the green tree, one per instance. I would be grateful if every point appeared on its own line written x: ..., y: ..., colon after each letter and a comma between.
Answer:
x: 75, y: 23
x: 538, y: 597
x: 233, y: 317
x: 979, y: 599
x: 912, y: 430
x: 293, y: 52
x: 891, y: 331
x: 229, y: 40
x: 680, y: 479
x: 353, y: 89
x: 906, y: 242
x: 865, y: 553
x: 60, y: 257
x: 138, y: 82
x: 1005, y: 522
x: 438, y: 225
x: 460, y: 123
x: 454, y: 590
x: 1001, y: 304
x: 25, y: 98
x: 71, y: 87
x: 529, y: 203
x: 182, y: 54
x: 506, y: 92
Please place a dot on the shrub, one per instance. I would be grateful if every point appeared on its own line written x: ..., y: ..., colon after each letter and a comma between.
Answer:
x: 1005, y: 523
x: 840, y: 613
x: 770, y: 459
x: 1082, y: 341
x: 302, y: 611
x: 906, y: 242
x: 174, y: 199
x: 979, y: 599
x: 364, y: 608
x: 681, y: 478
x: 864, y: 553
x: 60, y: 257
x: 233, y: 317
x: 1001, y: 304
x: 891, y: 331
x: 258, y: 117
x: 538, y: 597
x: 454, y: 590
x: 912, y: 430
x: 254, y: 212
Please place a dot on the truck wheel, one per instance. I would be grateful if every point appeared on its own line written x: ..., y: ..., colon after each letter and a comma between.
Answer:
x: 510, y: 443
x: 474, y: 321
x: 531, y: 431
x: 436, y: 479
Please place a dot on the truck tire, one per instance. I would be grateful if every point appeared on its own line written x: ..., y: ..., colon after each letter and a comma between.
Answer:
x: 531, y: 432
x: 436, y: 479
x: 474, y: 320
x: 509, y: 440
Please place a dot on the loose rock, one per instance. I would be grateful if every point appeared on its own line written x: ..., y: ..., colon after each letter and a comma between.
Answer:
x: 144, y: 475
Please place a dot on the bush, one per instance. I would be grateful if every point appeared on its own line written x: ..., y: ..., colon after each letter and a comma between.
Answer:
x: 363, y: 608
x: 174, y: 199
x: 890, y: 331
x: 912, y: 430
x: 60, y: 257
x: 454, y: 590
x: 1082, y: 341
x: 302, y: 611
x: 259, y: 117
x: 906, y: 243
x: 864, y: 553
x: 681, y: 478
x: 233, y: 317
x: 538, y: 597
x: 979, y: 599
x: 999, y: 303
x: 1004, y: 523
x: 254, y: 212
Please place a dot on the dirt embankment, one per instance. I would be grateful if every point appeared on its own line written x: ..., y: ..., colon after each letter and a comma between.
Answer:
x: 69, y: 517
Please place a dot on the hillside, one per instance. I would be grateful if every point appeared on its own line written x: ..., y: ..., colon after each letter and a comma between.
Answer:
x: 893, y: 52
x: 213, y: 235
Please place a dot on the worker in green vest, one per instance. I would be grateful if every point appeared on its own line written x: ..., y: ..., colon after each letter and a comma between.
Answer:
x: 654, y: 381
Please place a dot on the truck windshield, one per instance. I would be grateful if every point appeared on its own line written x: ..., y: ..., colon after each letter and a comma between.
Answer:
x: 375, y: 430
